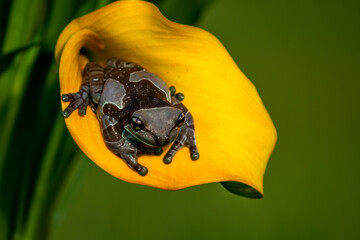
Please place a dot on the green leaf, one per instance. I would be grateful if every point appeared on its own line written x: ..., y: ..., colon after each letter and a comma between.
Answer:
x: 15, y: 80
x: 7, y: 59
x: 18, y: 75
x: 23, y: 23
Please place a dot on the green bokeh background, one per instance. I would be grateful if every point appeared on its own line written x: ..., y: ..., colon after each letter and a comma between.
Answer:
x: 304, y: 59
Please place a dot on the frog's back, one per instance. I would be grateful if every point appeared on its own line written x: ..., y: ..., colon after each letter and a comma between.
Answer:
x: 129, y: 87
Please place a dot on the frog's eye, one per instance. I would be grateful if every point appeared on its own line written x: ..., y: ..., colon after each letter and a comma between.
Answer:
x: 181, y: 119
x: 137, y: 124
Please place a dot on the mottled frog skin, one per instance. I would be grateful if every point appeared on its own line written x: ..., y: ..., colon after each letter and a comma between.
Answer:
x: 138, y: 113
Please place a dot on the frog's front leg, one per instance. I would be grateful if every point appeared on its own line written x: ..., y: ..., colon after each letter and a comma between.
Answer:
x: 186, y: 135
x: 186, y: 138
x: 121, y: 144
x: 89, y: 93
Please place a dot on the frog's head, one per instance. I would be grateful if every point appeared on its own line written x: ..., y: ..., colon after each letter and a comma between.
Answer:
x: 156, y: 127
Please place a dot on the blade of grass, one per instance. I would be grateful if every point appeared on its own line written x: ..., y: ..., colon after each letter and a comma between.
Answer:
x: 61, y: 13
x: 9, y: 183
x: 58, y: 172
x: 21, y: 29
x: 48, y: 106
x: 43, y: 106
x: 4, y: 12
x: 56, y: 179
x: 20, y: 72
x: 40, y: 199
x: 8, y: 58
x: 101, y: 3
x: 72, y: 185
x: 23, y: 22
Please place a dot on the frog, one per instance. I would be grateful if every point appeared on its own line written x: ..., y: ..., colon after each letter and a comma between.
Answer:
x: 138, y: 113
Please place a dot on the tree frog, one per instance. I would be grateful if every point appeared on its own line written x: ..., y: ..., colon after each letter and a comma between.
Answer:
x: 138, y: 113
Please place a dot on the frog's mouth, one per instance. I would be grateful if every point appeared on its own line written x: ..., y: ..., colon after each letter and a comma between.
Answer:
x: 133, y: 134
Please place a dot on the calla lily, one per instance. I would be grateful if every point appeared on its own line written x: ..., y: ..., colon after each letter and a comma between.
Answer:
x: 234, y: 132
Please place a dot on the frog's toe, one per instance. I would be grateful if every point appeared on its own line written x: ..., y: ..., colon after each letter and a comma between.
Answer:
x: 180, y: 96
x: 65, y: 113
x: 82, y: 108
x: 191, y: 143
x: 143, y: 170
x: 175, y: 147
x: 172, y: 90
x: 167, y: 159
x: 194, y: 156
x: 69, y: 97
x: 72, y: 106
x: 65, y: 97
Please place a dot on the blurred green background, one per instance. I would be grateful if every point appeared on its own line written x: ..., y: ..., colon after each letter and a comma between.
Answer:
x: 302, y: 56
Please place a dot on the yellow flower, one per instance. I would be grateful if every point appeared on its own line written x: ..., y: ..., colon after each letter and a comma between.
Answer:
x: 234, y: 132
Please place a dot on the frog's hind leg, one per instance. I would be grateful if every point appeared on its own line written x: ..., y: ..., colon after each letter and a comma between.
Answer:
x: 96, y: 77
x: 120, y: 145
x: 117, y: 63
x: 89, y: 93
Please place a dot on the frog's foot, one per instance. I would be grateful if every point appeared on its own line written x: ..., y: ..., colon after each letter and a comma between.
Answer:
x: 79, y: 100
x: 121, y: 145
x: 140, y: 169
x: 179, y: 96
x: 133, y: 163
x: 130, y: 159
x: 186, y: 138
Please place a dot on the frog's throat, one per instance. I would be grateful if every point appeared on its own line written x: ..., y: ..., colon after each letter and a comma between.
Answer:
x: 132, y: 133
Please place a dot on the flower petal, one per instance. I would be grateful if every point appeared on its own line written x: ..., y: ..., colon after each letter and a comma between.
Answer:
x: 235, y: 134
